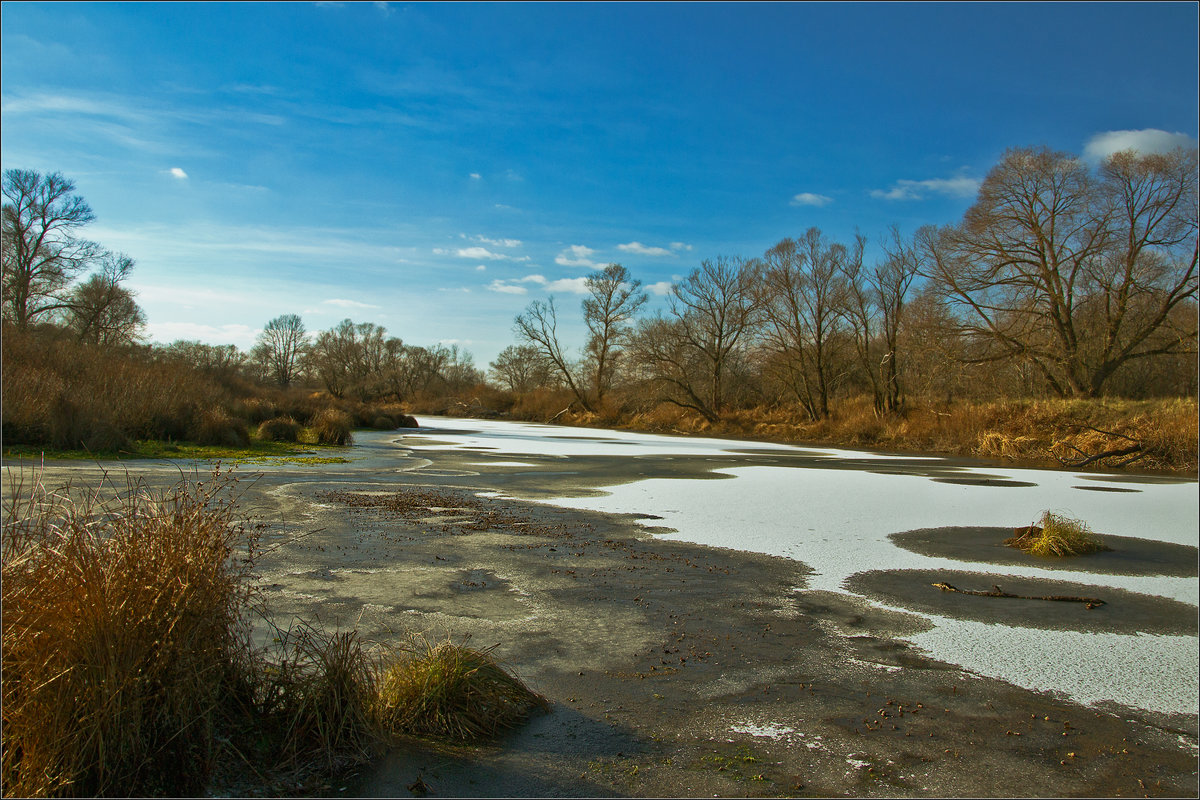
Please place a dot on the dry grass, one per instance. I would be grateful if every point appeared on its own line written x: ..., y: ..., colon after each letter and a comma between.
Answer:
x: 129, y: 670
x: 279, y: 429
x: 331, y: 426
x: 452, y: 692
x: 1056, y: 536
x: 120, y: 626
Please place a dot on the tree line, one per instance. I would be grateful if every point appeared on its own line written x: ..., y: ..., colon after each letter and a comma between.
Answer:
x: 1060, y: 280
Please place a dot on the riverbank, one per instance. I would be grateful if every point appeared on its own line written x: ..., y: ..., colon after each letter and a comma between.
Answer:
x: 675, y: 669
x: 1158, y: 436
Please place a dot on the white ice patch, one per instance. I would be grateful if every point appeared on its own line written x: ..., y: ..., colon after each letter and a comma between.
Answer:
x: 1142, y: 670
x: 528, y: 438
x: 837, y: 521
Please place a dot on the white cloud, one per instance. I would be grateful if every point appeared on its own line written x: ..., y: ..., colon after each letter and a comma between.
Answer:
x: 680, y: 246
x: 477, y: 253
x: 504, y: 287
x: 917, y: 190
x: 176, y: 172
x: 481, y: 268
x: 577, y: 256
x: 811, y: 199
x: 571, y: 285
x: 640, y: 249
x: 661, y: 288
x: 475, y: 176
x: 340, y: 303
x: 1145, y: 141
x: 241, y: 335
x: 513, y: 286
x: 497, y: 242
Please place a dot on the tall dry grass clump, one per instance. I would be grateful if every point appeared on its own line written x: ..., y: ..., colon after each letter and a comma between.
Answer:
x: 331, y: 426
x: 279, y: 429
x: 451, y: 691
x: 1057, y: 536
x: 121, y: 625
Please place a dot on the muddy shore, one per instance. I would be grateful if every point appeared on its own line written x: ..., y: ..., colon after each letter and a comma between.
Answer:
x: 671, y: 669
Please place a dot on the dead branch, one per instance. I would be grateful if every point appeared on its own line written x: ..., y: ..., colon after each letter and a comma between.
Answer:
x: 1090, y: 602
x: 1135, y: 450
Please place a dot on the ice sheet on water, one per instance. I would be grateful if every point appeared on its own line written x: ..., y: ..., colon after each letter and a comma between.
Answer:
x: 838, y: 522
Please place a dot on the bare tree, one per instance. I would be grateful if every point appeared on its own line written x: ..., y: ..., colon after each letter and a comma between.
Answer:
x: 521, y: 368
x: 614, y: 300
x: 280, y: 347
x: 689, y: 354
x: 803, y: 296
x: 874, y: 306
x: 102, y: 311
x: 1074, y: 273
x: 42, y: 253
x: 537, y: 326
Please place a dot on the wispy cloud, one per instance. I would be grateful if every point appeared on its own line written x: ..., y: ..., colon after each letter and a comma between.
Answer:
x: 477, y: 253
x: 917, y: 190
x: 341, y: 303
x: 811, y: 199
x: 680, y: 246
x: 514, y: 286
x: 637, y: 248
x: 493, y: 242
x: 506, y: 287
x: 241, y: 335
x: 475, y: 176
x: 1145, y: 141
x: 577, y: 256
x: 569, y: 285
x: 177, y: 172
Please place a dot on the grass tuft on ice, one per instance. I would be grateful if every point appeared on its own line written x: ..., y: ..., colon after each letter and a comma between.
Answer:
x: 1057, y: 536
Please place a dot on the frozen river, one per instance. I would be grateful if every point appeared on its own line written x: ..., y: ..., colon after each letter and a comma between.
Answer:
x: 836, y: 511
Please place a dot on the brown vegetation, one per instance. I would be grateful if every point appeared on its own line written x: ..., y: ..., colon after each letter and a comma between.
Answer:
x: 1057, y: 536
x: 129, y: 669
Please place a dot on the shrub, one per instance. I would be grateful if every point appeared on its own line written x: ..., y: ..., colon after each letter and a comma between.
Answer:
x: 316, y: 696
x: 216, y: 426
x: 279, y: 429
x: 119, y: 629
x: 332, y: 426
x: 1057, y: 536
x: 384, y: 423
x: 451, y: 691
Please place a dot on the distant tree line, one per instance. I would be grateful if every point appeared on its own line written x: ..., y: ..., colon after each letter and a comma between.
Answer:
x: 1060, y: 280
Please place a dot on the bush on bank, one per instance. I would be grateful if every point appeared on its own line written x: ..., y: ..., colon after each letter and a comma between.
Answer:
x: 129, y: 669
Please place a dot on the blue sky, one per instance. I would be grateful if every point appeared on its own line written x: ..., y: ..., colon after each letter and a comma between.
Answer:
x: 435, y: 167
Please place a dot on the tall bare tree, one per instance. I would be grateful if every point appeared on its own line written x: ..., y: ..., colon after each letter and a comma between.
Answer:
x: 689, y: 353
x: 537, y: 326
x: 803, y: 294
x: 614, y: 298
x: 280, y: 347
x: 874, y: 305
x: 42, y: 252
x: 1075, y: 273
